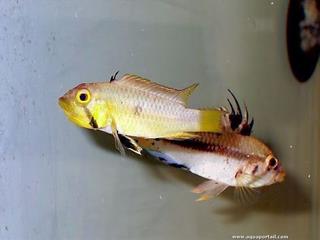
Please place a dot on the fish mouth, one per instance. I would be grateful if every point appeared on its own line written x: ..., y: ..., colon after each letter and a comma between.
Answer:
x: 62, y: 103
x: 65, y: 106
x: 280, y: 176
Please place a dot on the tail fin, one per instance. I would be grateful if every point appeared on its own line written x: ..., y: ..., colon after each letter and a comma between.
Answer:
x: 210, y: 120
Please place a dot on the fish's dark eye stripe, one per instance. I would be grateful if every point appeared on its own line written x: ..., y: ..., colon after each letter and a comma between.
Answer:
x: 93, y: 123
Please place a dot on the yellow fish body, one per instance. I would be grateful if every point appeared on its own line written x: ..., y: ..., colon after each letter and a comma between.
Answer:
x: 134, y: 106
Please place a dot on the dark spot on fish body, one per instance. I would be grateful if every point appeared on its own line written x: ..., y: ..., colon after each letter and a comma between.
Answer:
x: 238, y: 173
x: 152, y: 143
x: 137, y: 110
x: 175, y: 165
x: 162, y: 159
x: 255, y: 169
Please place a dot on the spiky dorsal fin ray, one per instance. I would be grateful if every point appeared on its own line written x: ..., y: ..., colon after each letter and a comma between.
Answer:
x: 234, y: 120
x: 113, y: 77
x: 180, y: 96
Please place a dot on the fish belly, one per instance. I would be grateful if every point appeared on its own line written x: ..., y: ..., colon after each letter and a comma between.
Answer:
x: 205, y: 164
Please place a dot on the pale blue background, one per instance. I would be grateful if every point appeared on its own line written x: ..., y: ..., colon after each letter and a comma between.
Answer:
x: 58, y: 181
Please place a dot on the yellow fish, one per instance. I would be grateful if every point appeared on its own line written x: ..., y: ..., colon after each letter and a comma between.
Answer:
x: 136, y: 107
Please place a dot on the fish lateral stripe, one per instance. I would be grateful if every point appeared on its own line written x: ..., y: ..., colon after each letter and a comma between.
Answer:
x: 166, y: 159
x: 218, y: 147
x: 93, y: 123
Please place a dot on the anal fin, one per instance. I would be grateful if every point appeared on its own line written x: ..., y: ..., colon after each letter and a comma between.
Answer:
x: 209, y: 189
x: 130, y: 144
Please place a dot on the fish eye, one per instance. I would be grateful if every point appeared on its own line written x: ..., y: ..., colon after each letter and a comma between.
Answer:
x: 83, y: 96
x: 272, y: 162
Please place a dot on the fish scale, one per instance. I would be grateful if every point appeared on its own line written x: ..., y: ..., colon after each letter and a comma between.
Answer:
x: 147, y: 113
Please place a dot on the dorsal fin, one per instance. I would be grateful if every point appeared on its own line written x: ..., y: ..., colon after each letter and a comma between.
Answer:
x: 180, y: 96
x: 113, y: 77
x: 185, y: 93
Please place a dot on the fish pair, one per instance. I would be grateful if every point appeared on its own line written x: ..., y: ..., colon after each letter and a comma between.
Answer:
x: 146, y: 117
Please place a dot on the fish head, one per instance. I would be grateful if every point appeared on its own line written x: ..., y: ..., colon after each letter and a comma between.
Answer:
x: 261, y: 172
x: 85, y: 106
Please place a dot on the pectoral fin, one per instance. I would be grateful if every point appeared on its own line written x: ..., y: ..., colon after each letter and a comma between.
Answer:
x: 118, y: 143
x: 209, y: 189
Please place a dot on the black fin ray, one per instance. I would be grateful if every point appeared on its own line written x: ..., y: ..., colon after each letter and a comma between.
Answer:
x: 237, y: 103
x: 231, y: 106
x: 239, y: 123
x: 113, y: 77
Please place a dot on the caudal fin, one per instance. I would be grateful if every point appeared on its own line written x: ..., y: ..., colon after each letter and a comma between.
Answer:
x: 211, y: 120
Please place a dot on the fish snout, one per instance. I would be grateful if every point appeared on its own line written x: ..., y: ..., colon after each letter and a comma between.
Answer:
x: 280, y: 174
x: 63, y: 98
x: 63, y: 102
